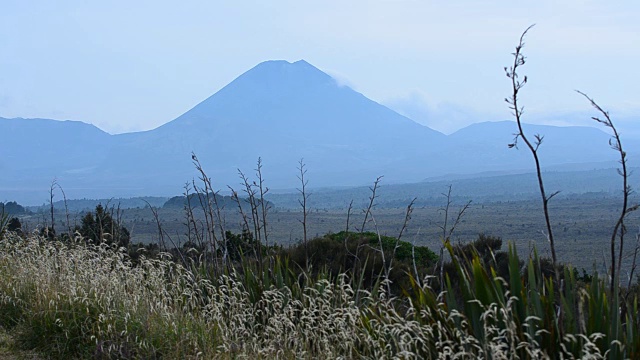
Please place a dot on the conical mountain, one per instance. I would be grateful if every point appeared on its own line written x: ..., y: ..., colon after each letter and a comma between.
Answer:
x: 297, y: 100
x: 282, y: 112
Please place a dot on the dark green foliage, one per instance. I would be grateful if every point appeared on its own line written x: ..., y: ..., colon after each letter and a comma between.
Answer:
x: 585, y: 277
x: 405, y: 250
x: 8, y: 223
x: 485, y: 246
x: 12, y: 208
x: 358, y: 255
x: 82, y: 205
x: 240, y: 245
x: 100, y: 227
x: 190, y: 251
x: 423, y: 255
x: 136, y: 250
x: 486, y: 249
x: 14, y: 225
x: 4, y: 221
x: 533, y: 302
x: 48, y: 233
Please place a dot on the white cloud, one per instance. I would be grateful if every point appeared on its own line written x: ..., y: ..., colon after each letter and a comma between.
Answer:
x: 341, y: 79
x: 446, y: 117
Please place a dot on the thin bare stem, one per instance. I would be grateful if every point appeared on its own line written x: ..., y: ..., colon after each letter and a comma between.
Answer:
x: 517, y: 111
x: 443, y: 227
x: 154, y: 212
x: 196, y: 238
x: 66, y: 212
x: 243, y: 214
x: 303, y: 203
x: 54, y: 184
x: 445, y: 238
x: 208, y: 205
x: 447, y: 232
x: 347, y: 237
x: 265, y: 207
x: 386, y: 267
x: 349, y: 215
x: 458, y: 219
x: 372, y: 199
x: 251, y: 199
x: 619, y: 229
x: 407, y: 218
x: 413, y: 259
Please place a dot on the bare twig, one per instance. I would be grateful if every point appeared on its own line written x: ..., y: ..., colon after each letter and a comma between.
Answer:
x: 443, y: 227
x: 517, y: 111
x: 413, y: 258
x: 347, y: 236
x: 303, y: 203
x: 619, y: 229
x: 243, y: 214
x: 367, y: 212
x: 407, y: 217
x: 211, y: 219
x: 445, y: 238
x: 372, y: 199
x: 349, y: 215
x: 255, y: 217
x: 54, y: 184
x: 447, y: 232
x: 194, y: 236
x: 154, y: 212
x: 66, y: 212
x: 263, y: 191
x: 458, y: 218
x: 386, y: 267
x: 245, y: 220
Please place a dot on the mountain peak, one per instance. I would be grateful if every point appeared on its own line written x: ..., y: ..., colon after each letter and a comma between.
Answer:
x: 303, y: 62
x: 272, y: 81
x: 295, y: 98
x: 282, y: 70
x: 285, y: 63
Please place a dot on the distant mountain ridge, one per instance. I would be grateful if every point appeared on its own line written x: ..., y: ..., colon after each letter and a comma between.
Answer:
x: 279, y: 111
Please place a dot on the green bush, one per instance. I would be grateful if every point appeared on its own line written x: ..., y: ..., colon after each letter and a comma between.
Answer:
x: 100, y: 227
x: 359, y: 256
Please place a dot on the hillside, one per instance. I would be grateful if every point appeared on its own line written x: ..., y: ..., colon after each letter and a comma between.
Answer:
x: 282, y: 112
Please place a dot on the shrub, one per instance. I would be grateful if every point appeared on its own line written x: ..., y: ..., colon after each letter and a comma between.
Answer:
x: 100, y: 227
x: 358, y: 255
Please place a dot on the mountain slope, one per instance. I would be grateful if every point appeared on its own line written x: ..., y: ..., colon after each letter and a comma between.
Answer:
x: 283, y: 112
x: 487, y: 144
x: 36, y: 151
x: 55, y: 144
x: 279, y: 111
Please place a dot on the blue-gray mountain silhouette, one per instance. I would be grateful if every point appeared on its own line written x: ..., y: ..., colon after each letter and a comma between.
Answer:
x: 279, y: 111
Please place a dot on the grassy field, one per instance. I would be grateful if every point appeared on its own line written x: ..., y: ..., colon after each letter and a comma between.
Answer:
x: 68, y: 299
x: 71, y: 300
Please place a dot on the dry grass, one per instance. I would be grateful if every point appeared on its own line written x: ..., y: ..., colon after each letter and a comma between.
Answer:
x: 71, y: 300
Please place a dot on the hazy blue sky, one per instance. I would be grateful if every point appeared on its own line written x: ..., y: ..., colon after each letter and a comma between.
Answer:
x: 134, y: 65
